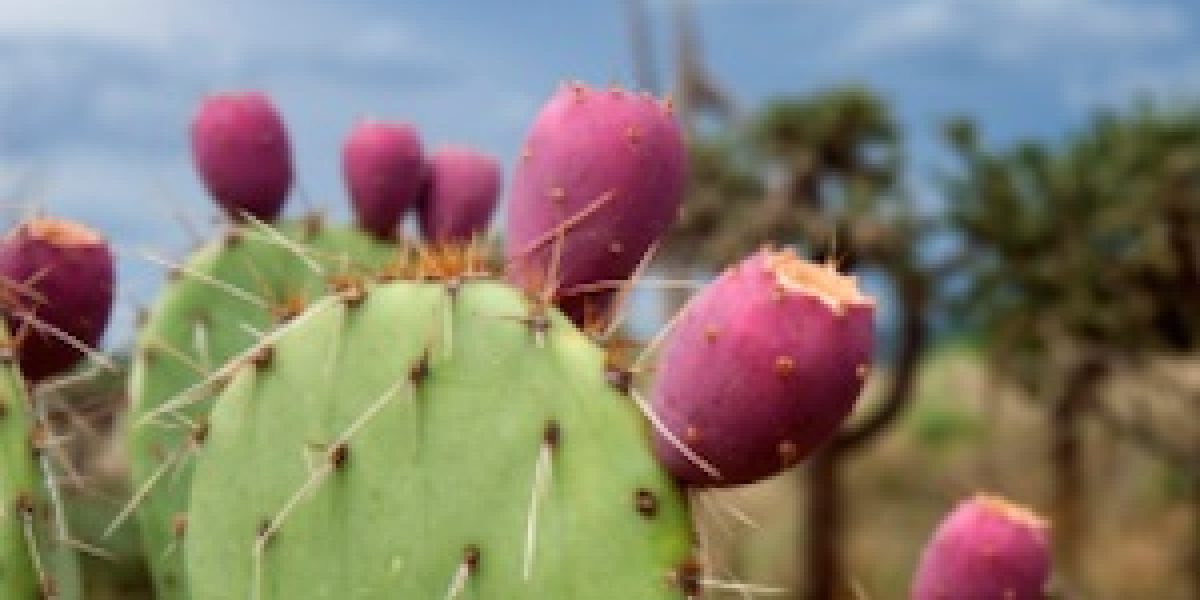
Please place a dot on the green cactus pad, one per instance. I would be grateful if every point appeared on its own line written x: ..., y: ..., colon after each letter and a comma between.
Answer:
x: 404, y: 428
x: 25, y: 508
x: 208, y: 314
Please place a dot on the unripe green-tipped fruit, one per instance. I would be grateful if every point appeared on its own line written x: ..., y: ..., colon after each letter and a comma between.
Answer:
x: 56, y: 290
x: 987, y: 549
x: 760, y: 369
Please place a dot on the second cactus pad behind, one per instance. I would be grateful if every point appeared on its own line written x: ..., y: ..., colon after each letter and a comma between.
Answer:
x: 432, y: 440
x: 211, y: 311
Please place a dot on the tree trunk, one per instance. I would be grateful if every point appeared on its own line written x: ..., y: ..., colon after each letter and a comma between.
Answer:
x: 822, y: 544
x: 1067, y: 457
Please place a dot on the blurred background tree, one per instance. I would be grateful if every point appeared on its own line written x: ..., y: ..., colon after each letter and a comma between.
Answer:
x: 821, y: 172
x: 1086, y: 266
x: 1072, y: 267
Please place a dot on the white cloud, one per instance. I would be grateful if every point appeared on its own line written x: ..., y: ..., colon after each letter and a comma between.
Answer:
x: 133, y: 22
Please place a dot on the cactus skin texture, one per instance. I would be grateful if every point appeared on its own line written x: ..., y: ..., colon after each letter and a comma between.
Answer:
x: 24, y: 500
x: 424, y: 410
x: 986, y: 549
x: 602, y: 170
x: 60, y: 273
x: 196, y: 326
x: 383, y: 169
x: 761, y: 368
x: 240, y: 149
x: 460, y: 194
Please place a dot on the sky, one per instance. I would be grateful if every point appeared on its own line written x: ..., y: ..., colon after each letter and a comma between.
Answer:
x: 95, y: 95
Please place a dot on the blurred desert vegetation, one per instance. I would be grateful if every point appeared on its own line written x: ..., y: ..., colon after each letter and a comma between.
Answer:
x: 1040, y: 339
x: 1040, y: 333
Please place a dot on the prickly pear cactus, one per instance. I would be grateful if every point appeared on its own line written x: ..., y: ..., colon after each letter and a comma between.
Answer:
x: 212, y: 311
x: 35, y: 562
x: 431, y: 440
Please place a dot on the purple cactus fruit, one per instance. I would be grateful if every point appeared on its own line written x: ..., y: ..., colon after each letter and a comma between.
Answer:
x: 384, y: 169
x: 760, y: 368
x: 55, y: 275
x: 241, y: 151
x: 987, y: 549
x: 602, y: 170
x: 460, y: 194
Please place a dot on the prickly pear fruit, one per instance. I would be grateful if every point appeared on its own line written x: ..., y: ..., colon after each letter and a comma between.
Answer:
x: 241, y: 151
x: 57, y: 292
x: 602, y: 171
x: 460, y: 194
x: 425, y: 478
x: 383, y: 169
x: 986, y: 549
x: 761, y: 368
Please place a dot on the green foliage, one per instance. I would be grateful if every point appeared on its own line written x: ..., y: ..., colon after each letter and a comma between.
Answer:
x: 808, y: 170
x: 390, y: 448
x: 210, y: 313
x: 1094, y: 241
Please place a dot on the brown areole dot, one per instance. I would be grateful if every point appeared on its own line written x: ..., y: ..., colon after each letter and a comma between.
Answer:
x: 537, y: 323
x: 338, y: 455
x: 557, y: 194
x: 263, y: 530
x: 784, y: 365
x: 23, y: 505
x: 552, y: 434
x: 788, y: 452
x: 39, y: 438
x: 691, y: 434
x: 710, y: 333
x: 179, y: 524
x: 199, y: 433
x: 579, y: 90
x: 471, y: 558
x: 262, y: 357
x: 420, y: 370
x: 616, y: 247
x: 646, y: 503
x: 140, y: 317
x: 232, y: 236
x: 151, y: 353
x: 620, y: 379
x: 687, y: 577
x: 351, y: 290
x: 861, y: 371
x: 633, y: 134
x: 313, y: 223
